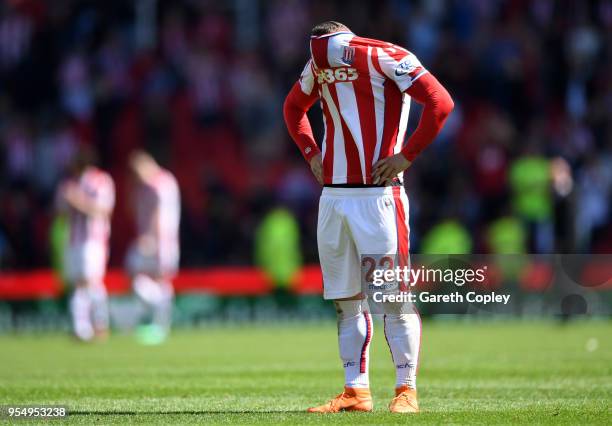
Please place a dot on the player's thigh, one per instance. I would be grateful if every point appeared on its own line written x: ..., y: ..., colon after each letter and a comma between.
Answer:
x: 94, y: 262
x: 373, y: 223
x: 338, y: 255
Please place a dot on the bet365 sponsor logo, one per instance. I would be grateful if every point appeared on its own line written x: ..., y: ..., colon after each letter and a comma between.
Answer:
x: 331, y: 76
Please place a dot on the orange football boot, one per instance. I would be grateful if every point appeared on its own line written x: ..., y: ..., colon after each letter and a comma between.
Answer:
x: 352, y: 399
x: 405, y: 401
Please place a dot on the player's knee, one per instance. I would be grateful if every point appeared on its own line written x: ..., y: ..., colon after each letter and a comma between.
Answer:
x: 350, y: 308
x: 402, y: 323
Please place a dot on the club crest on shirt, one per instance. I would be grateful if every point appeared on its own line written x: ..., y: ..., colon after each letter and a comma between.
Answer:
x: 405, y: 67
x: 348, y: 55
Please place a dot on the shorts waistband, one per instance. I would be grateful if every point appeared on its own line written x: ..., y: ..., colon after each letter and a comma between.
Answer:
x: 394, y: 182
x: 367, y: 191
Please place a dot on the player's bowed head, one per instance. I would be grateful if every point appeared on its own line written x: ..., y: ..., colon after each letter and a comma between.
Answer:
x: 143, y: 165
x: 328, y: 27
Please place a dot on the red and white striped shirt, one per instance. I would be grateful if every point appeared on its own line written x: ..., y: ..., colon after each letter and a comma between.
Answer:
x: 158, y: 209
x: 86, y: 228
x: 361, y: 83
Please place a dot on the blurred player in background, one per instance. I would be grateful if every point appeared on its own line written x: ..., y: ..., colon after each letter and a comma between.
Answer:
x: 154, y: 256
x: 87, y: 198
x: 364, y: 87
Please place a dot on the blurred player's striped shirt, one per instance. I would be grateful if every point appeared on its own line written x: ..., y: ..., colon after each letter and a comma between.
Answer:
x: 84, y: 228
x: 361, y: 84
x: 158, y: 209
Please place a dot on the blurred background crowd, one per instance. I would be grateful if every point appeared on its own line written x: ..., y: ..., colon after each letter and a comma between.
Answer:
x: 524, y: 163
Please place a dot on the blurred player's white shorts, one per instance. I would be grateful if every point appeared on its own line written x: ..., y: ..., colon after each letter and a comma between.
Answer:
x: 356, y: 222
x: 86, y: 262
x: 157, y: 263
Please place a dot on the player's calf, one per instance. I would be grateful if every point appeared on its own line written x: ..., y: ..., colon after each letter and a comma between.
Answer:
x: 354, y: 335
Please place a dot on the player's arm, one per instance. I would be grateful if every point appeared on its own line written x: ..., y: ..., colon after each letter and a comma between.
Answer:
x: 73, y: 196
x: 104, y: 202
x: 100, y: 204
x: 437, y: 105
x: 81, y: 201
x: 424, y: 88
x: 299, y: 100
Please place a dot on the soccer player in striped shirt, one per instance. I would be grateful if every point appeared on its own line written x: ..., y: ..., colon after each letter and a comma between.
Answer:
x: 154, y: 256
x: 88, y: 199
x: 364, y: 87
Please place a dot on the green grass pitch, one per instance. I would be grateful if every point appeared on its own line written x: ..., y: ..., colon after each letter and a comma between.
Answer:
x: 477, y: 373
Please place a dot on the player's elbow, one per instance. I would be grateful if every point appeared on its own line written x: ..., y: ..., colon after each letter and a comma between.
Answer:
x: 448, y: 105
x: 445, y: 105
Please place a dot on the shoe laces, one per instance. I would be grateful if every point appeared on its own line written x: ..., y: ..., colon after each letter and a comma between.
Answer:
x: 406, y: 397
x: 333, y: 402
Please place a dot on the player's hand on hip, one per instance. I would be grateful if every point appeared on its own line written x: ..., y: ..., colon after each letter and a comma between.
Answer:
x: 388, y: 168
x: 316, y: 165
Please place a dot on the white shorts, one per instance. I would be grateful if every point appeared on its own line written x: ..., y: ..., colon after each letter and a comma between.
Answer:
x: 356, y: 222
x: 159, y: 263
x: 86, y: 262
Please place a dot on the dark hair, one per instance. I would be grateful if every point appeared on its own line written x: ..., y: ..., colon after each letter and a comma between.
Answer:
x: 84, y: 157
x: 328, y: 27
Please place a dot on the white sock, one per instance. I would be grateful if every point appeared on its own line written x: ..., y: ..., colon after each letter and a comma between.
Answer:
x: 99, y: 306
x: 354, y: 335
x: 162, y: 312
x: 403, y: 334
x: 80, y: 309
x: 158, y: 296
